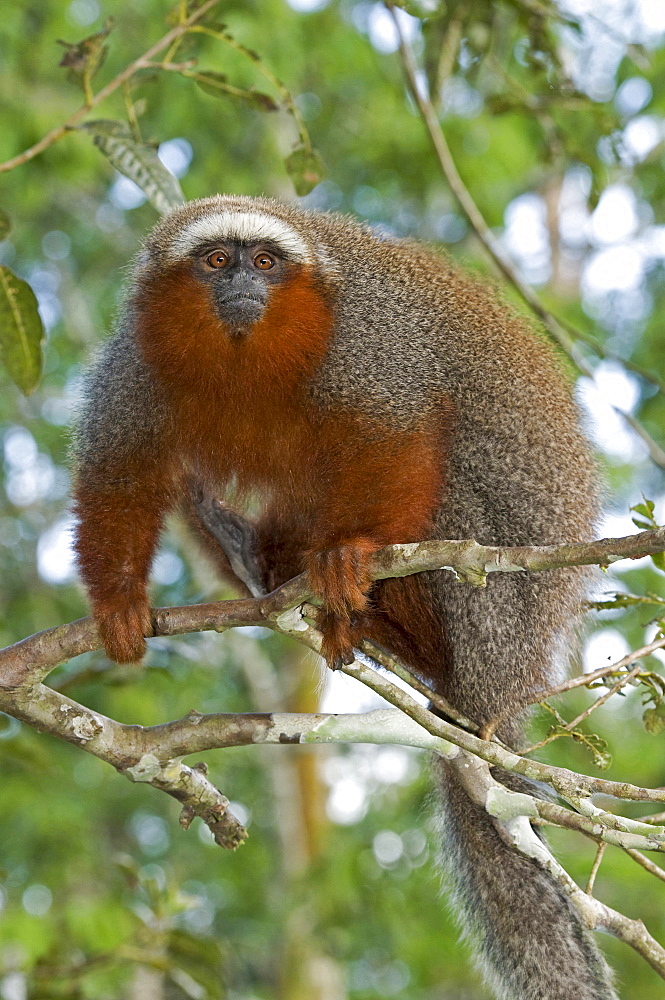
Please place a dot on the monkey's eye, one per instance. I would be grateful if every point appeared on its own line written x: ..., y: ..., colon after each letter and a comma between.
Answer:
x: 219, y: 258
x: 264, y: 261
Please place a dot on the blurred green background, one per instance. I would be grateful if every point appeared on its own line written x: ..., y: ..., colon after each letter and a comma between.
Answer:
x: 556, y: 118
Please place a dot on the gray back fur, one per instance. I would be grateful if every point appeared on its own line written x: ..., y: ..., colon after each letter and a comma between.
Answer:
x: 413, y: 333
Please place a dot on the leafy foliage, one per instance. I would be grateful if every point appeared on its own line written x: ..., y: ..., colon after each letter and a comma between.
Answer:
x: 646, y: 520
x: 217, y: 85
x: 21, y: 331
x: 84, y: 59
x: 138, y: 161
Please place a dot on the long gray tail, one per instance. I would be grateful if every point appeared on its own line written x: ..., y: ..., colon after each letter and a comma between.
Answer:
x: 528, y: 940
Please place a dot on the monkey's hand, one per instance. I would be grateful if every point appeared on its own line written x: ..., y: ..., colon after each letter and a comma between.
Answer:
x: 340, y: 576
x: 123, y: 623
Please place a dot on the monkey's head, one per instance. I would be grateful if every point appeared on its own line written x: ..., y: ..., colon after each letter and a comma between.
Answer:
x: 234, y: 254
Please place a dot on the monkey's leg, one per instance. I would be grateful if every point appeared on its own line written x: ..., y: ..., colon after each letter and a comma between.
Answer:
x: 340, y: 575
x: 384, y: 491
x: 281, y: 539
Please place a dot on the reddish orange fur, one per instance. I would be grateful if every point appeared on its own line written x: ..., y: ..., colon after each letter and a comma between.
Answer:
x: 120, y: 517
x: 338, y: 487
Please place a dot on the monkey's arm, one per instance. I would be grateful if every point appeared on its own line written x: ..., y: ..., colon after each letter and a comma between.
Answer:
x: 124, y: 485
x: 120, y: 516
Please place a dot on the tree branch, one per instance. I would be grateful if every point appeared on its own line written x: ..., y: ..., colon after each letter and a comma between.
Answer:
x: 141, y: 63
x: 511, y: 812
x: 153, y: 754
x: 595, y: 675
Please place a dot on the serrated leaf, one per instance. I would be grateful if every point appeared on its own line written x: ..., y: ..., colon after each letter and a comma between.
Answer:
x: 216, y: 85
x: 654, y: 719
x: 596, y: 746
x: 5, y: 225
x: 137, y: 161
x: 639, y: 523
x: 21, y: 331
x: 306, y: 169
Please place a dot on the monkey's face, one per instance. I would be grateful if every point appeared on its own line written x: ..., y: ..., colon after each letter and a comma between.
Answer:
x: 241, y: 278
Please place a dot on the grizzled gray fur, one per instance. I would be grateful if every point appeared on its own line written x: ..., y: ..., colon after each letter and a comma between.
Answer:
x: 412, y: 333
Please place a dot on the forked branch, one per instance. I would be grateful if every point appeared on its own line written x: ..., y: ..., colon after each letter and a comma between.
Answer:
x: 154, y: 754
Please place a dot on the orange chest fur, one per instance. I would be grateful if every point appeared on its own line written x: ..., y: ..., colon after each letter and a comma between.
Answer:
x: 241, y: 404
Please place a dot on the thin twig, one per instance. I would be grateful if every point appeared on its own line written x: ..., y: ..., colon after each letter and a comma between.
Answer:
x: 570, y: 726
x: 570, y: 785
x: 602, y: 847
x: 656, y: 818
x: 448, y: 55
x: 622, y: 681
x: 395, y: 665
x: 58, y: 133
x: 585, y: 679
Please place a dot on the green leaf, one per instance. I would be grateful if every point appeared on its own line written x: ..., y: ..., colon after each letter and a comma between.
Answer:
x: 138, y: 161
x: 646, y: 519
x: 596, y: 746
x: 5, y: 225
x: 654, y: 719
x: 21, y: 331
x: 306, y: 169
x: 198, y: 957
x: 216, y: 85
x: 646, y: 508
x: 83, y: 59
x: 659, y: 560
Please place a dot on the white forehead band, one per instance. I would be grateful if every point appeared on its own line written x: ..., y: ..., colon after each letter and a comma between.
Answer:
x: 246, y: 226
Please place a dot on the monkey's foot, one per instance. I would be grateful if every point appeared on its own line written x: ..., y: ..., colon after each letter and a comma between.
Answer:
x: 339, y: 637
x: 123, y: 627
x: 340, y: 576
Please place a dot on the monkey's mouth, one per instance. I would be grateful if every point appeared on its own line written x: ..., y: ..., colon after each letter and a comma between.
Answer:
x: 238, y: 312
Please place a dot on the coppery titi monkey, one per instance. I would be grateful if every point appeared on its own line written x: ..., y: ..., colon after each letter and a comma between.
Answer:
x: 368, y: 393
